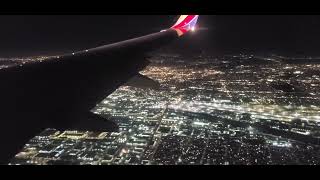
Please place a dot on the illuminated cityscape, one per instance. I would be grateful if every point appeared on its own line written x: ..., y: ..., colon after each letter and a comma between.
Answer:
x: 230, y: 110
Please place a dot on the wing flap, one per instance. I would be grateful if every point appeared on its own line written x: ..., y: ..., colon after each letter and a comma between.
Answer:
x: 143, y: 82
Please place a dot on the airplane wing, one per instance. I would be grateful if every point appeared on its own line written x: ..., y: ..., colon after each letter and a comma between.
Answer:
x: 59, y: 92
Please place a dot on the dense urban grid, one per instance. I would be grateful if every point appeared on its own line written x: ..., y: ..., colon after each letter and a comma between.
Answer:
x: 230, y: 110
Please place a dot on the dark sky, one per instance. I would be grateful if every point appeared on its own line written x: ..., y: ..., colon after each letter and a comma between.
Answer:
x: 37, y: 35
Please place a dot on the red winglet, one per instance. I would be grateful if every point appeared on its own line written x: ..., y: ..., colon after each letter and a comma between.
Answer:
x: 185, y: 23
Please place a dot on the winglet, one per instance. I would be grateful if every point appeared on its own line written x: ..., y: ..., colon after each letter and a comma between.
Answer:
x: 185, y: 24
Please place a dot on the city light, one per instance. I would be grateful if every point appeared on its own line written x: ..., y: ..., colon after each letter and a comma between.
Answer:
x: 224, y: 115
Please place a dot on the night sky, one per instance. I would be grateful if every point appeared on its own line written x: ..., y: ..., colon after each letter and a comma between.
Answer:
x: 50, y: 35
